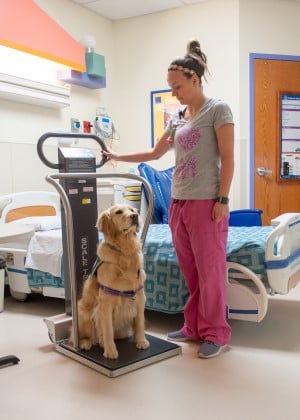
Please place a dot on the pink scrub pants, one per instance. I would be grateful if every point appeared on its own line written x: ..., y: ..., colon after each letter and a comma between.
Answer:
x: 200, y: 246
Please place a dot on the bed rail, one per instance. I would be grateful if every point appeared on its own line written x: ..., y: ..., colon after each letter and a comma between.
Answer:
x: 283, y: 253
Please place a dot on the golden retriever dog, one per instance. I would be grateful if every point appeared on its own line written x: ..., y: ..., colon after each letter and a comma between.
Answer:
x: 113, y: 299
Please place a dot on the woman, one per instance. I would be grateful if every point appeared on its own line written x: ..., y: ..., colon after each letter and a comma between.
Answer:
x: 202, y: 134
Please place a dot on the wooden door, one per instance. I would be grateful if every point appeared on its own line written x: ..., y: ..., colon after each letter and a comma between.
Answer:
x: 271, y: 193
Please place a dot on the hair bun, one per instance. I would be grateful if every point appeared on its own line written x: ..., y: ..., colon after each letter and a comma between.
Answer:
x: 194, y: 62
x: 193, y: 47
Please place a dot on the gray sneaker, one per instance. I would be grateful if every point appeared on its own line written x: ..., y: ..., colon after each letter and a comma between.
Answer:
x: 177, y: 336
x: 209, y: 349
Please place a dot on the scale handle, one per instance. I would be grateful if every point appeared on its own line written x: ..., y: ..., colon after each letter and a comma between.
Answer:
x: 53, y: 165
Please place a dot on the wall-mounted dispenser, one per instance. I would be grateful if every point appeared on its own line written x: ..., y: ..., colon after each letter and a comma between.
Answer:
x: 95, y: 63
x: 95, y: 75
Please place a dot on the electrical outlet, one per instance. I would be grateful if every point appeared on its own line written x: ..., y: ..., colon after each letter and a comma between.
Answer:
x: 75, y: 125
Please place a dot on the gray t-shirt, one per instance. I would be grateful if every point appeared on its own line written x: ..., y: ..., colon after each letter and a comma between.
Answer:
x: 197, y: 167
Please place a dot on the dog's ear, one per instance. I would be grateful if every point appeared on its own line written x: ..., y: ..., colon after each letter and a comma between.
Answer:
x: 103, y: 221
x: 106, y: 224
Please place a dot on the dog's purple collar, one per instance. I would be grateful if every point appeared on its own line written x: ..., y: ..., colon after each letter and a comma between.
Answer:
x: 125, y: 293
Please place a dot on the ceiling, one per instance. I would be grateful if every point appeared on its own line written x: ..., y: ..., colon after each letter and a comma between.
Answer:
x: 122, y: 9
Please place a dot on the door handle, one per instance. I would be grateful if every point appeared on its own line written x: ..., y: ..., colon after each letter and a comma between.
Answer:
x: 262, y: 171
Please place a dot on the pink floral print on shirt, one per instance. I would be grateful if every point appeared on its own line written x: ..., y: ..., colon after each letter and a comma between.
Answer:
x: 186, y: 169
x: 187, y: 139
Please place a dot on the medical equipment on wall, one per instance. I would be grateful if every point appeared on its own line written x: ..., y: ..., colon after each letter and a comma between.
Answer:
x: 104, y: 126
x: 77, y: 190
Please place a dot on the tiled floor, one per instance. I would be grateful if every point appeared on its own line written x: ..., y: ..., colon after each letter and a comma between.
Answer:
x: 257, y: 377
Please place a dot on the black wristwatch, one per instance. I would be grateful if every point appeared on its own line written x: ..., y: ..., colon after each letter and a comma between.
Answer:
x: 222, y: 200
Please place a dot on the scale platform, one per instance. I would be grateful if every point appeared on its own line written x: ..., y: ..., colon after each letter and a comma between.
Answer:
x: 130, y: 358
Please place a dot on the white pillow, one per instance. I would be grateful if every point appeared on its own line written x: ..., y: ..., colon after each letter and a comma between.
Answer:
x: 41, y: 223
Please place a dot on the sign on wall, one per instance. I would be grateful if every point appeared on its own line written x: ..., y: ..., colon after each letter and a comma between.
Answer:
x: 289, y: 136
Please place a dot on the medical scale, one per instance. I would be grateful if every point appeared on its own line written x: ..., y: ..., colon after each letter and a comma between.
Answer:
x: 76, y: 186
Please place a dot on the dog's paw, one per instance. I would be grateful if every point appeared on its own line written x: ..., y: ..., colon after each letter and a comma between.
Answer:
x: 111, y: 353
x: 85, y: 343
x: 142, y: 344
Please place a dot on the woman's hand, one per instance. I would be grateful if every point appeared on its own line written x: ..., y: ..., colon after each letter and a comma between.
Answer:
x: 110, y: 154
x: 219, y: 211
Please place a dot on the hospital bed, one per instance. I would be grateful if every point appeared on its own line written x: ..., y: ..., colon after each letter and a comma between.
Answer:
x: 39, y: 211
x: 261, y: 260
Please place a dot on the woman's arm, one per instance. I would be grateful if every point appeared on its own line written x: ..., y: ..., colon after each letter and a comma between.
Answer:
x: 225, y: 138
x: 160, y: 148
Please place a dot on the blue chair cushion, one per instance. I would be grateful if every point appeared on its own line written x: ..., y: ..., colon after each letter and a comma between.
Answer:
x: 160, y: 182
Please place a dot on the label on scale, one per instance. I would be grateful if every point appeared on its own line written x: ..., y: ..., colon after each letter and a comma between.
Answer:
x: 73, y: 191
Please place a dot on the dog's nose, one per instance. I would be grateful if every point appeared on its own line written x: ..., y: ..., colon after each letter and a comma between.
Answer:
x: 134, y: 218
